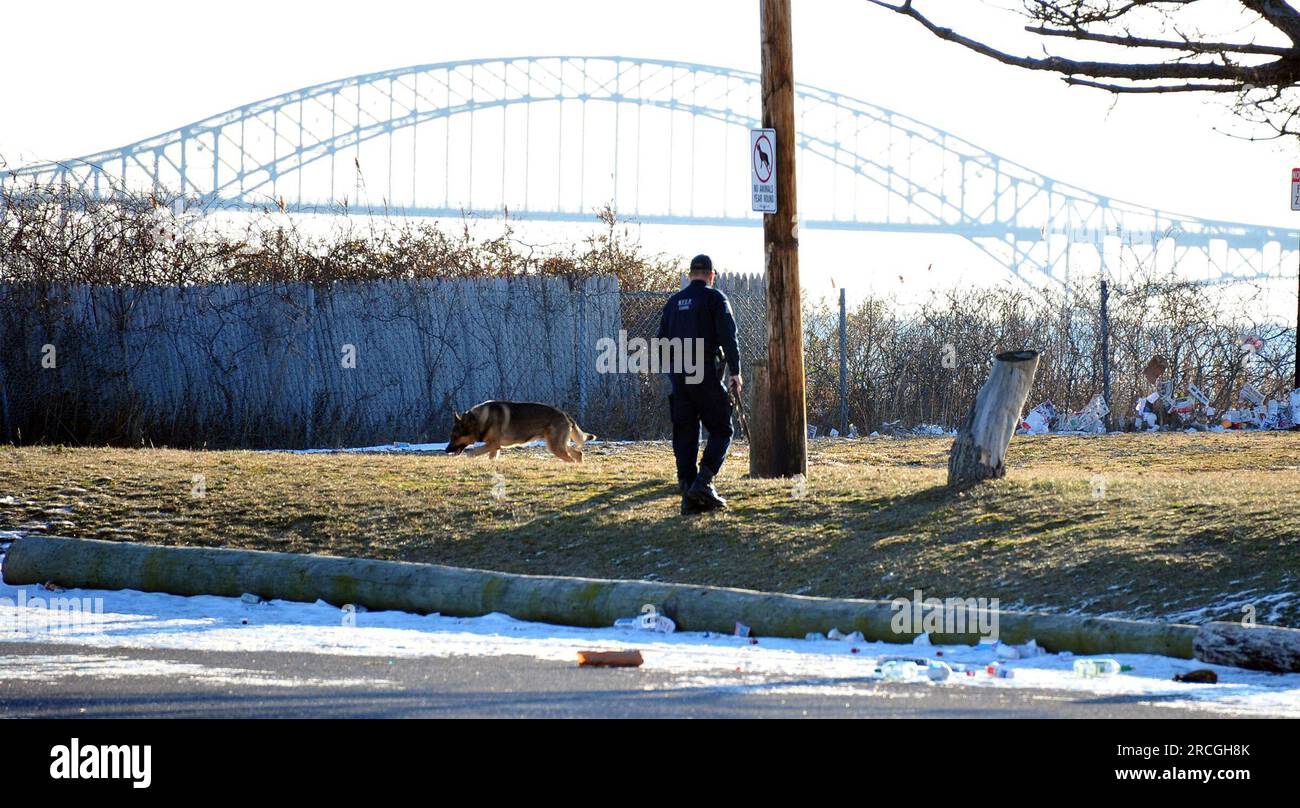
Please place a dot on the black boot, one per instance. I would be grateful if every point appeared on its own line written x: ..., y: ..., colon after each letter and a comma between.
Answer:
x: 689, y: 505
x: 703, y: 494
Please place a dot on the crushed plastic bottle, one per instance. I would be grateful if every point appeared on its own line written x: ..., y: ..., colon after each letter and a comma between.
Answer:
x: 1095, y: 668
x: 649, y: 620
x: 900, y: 670
x: 938, y: 671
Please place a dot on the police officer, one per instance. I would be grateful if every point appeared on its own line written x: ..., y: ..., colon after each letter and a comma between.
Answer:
x: 700, y: 312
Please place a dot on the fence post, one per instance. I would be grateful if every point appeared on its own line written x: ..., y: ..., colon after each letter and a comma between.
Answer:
x: 844, y: 369
x: 581, y: 356
x: 307, y: 345
x: 1105, y: 351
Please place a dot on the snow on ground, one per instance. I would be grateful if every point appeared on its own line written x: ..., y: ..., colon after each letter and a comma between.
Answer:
x: 387, y: 448
x: 140, y: 620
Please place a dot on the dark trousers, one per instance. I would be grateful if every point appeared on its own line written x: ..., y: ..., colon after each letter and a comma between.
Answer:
x: 691, y: 405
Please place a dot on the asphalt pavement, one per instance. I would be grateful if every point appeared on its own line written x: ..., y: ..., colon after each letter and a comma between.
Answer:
x: 39, y: 680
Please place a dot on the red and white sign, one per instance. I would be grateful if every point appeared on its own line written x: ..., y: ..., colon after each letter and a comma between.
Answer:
x: 1295, y: 189
x: 762, y: 169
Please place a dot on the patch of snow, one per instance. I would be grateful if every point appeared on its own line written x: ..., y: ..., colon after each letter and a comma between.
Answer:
x: 140, y: 620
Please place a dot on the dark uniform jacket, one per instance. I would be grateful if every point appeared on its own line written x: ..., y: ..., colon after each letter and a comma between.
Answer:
x: 700, y: 311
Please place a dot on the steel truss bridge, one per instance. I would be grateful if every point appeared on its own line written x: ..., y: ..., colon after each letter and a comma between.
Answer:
x: 553, y: 138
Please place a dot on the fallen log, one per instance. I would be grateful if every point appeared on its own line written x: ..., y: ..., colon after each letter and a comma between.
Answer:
x: 1261, y: 648
x: 980, y: 448
x: 457, y: 592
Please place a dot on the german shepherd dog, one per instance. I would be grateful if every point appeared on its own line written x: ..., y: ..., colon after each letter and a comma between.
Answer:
x: 510, y: 423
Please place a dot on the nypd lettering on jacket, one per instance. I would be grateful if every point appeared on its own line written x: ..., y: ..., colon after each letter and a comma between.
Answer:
x: 92, y: 762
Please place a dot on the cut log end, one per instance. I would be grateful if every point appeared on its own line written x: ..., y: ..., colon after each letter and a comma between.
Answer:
x: 1017, y: 356
x: 1263, y: 648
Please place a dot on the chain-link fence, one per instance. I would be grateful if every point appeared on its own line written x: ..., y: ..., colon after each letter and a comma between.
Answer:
x: 881, y: 365
x: 372, y: 362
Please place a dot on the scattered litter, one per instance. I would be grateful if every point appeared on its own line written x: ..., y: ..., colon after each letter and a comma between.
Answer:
x: 998, y: 671
x: 1040, y: 418
x: 1027, y: 650
x: 649, y: 620
x: 1090, y: 418
x: 900, y: 670
x: 1201, y: 676
x: 250, y: 598
x: 1168, y: 409
x: 836, y: 634
x: 814, y: 636
x: 742, y: 630
x: 50, y: 586
x: 835, y: 433
x: 1094, y: 668
x: 931, y: 429
x: 1251, y: 393
x: 1005, y: 651
x: 610, y: 659
x: 938, y: 671
x: 896, y: 429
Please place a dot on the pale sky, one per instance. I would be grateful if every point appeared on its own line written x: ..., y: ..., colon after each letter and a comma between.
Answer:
x: 82, y: 77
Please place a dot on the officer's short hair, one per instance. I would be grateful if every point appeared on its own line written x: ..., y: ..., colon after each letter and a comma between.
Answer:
x: 701, y: 265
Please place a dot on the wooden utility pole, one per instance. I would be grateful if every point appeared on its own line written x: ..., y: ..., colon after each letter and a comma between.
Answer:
x: 789, y: 419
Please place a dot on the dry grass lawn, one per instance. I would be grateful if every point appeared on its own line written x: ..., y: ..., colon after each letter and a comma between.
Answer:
x: 1140, y: 525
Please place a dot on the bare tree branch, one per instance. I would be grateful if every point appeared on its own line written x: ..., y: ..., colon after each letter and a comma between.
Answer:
x: 1189, y: 45
x: 1265, y: 77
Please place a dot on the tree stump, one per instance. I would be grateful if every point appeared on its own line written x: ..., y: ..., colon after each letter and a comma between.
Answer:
x: 1261, y: 648
x: 981, y: 445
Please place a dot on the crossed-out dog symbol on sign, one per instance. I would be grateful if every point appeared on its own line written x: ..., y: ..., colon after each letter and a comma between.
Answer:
x: 763, y: 159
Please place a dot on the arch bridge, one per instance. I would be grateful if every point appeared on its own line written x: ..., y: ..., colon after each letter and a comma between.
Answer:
x: 553, y: 138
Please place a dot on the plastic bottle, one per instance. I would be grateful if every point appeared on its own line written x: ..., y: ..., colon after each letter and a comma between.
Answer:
x: 900, y: 670
x: 1094, y: 668
x: 938, y: 671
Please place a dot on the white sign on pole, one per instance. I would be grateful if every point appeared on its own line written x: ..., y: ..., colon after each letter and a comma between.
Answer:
x: 1295, y: 189
x: 762, y: 169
